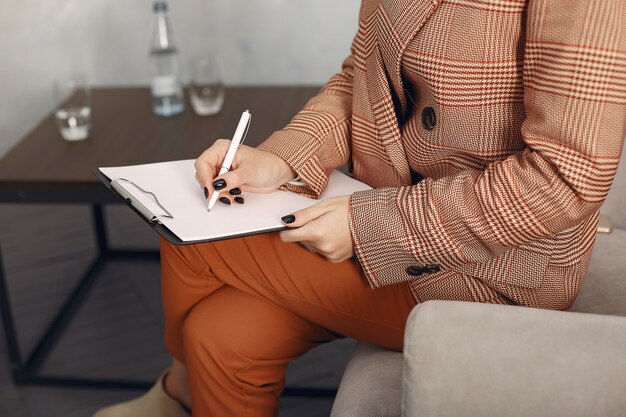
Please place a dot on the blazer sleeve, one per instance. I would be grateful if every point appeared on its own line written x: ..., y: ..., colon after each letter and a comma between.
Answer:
x: 575, y: 110
x: 317, y: 139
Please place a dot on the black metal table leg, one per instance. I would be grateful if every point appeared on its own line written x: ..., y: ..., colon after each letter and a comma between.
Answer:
x: 9, y: 324
x: 28, y: 372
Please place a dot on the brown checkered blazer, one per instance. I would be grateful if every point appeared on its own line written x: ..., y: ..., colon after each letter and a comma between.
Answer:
x: 512, y: 111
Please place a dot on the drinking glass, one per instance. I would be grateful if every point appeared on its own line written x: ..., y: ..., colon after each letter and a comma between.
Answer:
x: 73, y: 111
x: 206, y: 90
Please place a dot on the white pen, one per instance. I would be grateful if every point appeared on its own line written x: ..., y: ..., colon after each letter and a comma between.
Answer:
x: 240, y: 133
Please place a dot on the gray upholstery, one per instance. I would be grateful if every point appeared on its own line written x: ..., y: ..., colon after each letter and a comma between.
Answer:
x: 373, y: 373
x: 470, y: 359
x: 604, y: 290
x: 615, y: 202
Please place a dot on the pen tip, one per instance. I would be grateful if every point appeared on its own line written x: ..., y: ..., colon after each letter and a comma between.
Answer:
x: 208, y: 210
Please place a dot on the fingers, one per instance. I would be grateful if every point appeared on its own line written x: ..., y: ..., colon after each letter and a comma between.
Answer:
x: 234, y: 178
x: 313, y: 240
x: 228, y: 184
x: 302, y: 217
x: 233, y: 196
x: 298, y: 224
x: 301, y: 234
x: 209, y: 161
x: 322, y: 228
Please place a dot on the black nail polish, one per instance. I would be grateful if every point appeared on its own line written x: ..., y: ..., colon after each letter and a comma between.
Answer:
x: 239, y: 200
x: 225, y: 200
x: 206, y: 192
x: 219, y: 184
x: 235, y: 191
x: 290, y: 218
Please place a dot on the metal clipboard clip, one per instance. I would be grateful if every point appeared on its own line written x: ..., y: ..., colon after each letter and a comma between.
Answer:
x: 133, y: 201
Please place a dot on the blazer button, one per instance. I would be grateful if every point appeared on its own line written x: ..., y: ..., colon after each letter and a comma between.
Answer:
x: 416, y: 177
x: 428, y: 118
x: 417, y: 270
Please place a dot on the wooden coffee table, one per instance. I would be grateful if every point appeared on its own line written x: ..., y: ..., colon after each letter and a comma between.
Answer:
x: 43, y: 168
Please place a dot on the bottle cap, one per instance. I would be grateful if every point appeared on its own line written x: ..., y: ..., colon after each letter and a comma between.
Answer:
x: 159, y: 6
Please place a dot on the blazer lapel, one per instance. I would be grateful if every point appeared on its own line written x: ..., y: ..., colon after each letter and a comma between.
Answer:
x: 385, y: 117
x: 397, y: 23
x: 395, y: 27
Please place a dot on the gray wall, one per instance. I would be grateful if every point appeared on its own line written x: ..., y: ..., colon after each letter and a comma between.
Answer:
x: 261, y: 42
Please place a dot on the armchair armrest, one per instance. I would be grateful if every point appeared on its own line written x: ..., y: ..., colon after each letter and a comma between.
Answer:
x: 470, y: 359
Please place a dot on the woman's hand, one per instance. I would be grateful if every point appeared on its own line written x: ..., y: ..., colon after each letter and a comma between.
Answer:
x: 322, y: 228
x: 252, y: 170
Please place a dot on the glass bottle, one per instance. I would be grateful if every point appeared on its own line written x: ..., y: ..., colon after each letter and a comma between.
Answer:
x: 166, y: 87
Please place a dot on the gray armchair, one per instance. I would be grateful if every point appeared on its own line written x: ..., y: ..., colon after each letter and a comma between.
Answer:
x: 479, y: 360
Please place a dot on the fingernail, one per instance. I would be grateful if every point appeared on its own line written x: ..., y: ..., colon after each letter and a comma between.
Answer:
x: 290, y: 218
x: 239, y: 200
x: 206, y: 192
x: 219, y: 184
x: 225, y: 200
x: 235, y: 191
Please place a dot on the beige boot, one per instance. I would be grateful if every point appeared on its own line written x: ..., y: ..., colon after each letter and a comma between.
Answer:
x: 154, y: 403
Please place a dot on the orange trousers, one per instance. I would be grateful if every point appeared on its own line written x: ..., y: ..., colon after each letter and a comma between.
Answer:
x: 238, y: 311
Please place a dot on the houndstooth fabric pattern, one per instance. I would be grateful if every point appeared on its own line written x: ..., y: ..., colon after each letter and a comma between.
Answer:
x: 529, y: 103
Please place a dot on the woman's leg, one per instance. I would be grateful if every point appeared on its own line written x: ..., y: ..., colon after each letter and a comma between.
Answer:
x: 176, y: 383
x: 238, y: 311
x: 237, y: 348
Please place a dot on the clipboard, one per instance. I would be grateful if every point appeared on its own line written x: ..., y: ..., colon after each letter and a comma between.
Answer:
x: 167, y: 197
x: 155, y: 225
